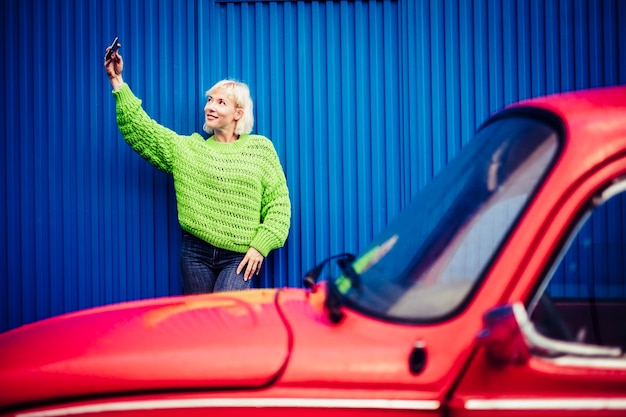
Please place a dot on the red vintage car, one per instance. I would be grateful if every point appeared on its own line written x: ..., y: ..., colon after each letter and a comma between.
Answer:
x: 501, y: 291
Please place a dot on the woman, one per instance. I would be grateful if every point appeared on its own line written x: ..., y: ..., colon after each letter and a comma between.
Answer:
x: 231, y: 193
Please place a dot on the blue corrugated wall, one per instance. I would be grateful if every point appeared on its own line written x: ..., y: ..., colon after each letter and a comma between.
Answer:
x: 364, y: 100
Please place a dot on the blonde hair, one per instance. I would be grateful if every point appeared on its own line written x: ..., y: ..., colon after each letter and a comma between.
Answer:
x: 240, y: 93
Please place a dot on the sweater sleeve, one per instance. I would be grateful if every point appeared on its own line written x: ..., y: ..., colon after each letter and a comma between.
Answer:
x: 275, y: 210
x: 148, y: 138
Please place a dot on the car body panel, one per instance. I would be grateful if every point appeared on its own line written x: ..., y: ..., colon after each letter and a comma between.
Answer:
x: 326, y: 356
x: 147, y: 345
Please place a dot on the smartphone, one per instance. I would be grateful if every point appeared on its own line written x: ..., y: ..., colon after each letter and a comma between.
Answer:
x: 112, y: 48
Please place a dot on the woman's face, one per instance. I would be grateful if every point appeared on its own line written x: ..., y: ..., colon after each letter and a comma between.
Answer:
x: 220, y: 111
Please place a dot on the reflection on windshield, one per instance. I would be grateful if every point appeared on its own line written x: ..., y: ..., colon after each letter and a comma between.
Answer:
x: 428, y: 260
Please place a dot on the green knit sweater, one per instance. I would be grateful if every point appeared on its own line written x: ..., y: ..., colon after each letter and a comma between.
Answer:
x: 231, y: 195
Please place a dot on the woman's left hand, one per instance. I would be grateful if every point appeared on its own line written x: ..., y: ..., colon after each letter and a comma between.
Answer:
x: 253, y: 260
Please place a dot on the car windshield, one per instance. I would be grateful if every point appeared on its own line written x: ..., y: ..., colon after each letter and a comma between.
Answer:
x: 426, y: 263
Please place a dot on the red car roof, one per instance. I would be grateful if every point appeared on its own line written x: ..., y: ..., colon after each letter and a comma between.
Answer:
x: 594, y: 121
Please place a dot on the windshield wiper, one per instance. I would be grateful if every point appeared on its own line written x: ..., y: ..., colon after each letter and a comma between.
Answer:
x: 346, y: 267
x: 333, y: 296
x: 310, y: 278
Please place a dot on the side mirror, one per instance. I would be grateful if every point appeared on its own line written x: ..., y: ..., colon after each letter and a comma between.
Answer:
x: 502, y: 336
x: 509, y: 337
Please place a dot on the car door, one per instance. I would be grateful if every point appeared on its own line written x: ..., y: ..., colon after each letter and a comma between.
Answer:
x: 560, y: 351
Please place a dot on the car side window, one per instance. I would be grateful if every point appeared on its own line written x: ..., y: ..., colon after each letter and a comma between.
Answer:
x: 585, y: 298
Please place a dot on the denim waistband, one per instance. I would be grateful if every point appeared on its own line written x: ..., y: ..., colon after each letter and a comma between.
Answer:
x: 206, y: 245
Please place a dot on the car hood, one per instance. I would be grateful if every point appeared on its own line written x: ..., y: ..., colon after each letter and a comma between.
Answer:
x: 194, y: 342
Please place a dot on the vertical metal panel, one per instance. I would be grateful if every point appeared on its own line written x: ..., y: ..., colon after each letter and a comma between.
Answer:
x: 365, y: 101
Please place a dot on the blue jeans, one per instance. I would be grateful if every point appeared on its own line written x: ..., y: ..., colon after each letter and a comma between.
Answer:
x: 206, y: 268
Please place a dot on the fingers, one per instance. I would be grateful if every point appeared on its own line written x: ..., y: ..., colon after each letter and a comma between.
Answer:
x: 253, y: 268
x: 112, y: 49
x: 252, y: 263
x: 112, y: 55
x: 108, y: 54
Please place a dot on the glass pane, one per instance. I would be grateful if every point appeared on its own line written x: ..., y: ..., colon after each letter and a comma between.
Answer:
x: 426, y: 263
x: 587, y: 290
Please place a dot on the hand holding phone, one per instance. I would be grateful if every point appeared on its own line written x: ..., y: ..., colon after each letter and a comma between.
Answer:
x: 113, y: 67
x: 114, y: 46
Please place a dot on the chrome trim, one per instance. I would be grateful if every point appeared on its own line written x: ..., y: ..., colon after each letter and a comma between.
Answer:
x: 617, y: 364
x: 236, y: 403
x: 544, y: 346
x: 618, y: 187
x: 547, y: 404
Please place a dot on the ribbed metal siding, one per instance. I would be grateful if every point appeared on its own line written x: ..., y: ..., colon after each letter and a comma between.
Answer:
x: 364, y: 100
x: 324, y: 77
